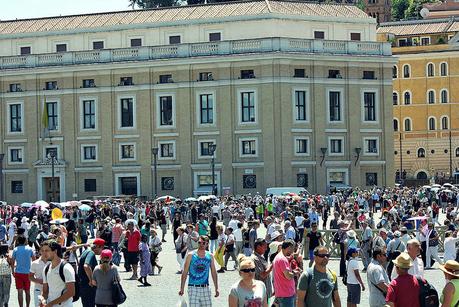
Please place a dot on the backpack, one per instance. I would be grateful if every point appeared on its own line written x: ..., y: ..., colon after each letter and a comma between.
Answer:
x: 311, y: 275
x: 428, y: 295
x: 61, y: 274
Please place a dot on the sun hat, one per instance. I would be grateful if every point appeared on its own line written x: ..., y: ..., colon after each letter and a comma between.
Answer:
x: 403, y: 261
x: 351, y: 233
x: 275, y: 235
x: 274, y: 247
x: 451, y: 267
x: 397, y: 234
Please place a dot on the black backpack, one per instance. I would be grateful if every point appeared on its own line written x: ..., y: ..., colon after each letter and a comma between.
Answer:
x: 61, y: 274
x: 428, y: 295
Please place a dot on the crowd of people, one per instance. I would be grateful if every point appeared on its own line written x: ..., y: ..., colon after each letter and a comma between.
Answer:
x: 276, y: 243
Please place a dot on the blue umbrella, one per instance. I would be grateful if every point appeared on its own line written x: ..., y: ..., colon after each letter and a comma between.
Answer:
x: 84, y: 208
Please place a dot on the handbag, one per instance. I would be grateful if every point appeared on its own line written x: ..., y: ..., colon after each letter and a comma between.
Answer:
x: 118, y: 294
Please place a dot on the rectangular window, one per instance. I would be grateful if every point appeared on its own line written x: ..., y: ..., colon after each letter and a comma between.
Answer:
x: 26, y: 50
x: 371, y: 179
x: 17, y: 187
x: 299, y: 73
x: 174, y: 39
x: 88, y: 83
x: 51, y: 151
x: 369, y: 75
x: 136, y: 42
x: 249, y: 148
x: 61, y: 47
x: 248, y: 107
x: 126, y: 81
x: 166, y: 150
x: 16, y: 155
x: 302, y: 180
x: 127, y: 112
x: 301, y: 146
x: 127, y: 151
x: 336, y: 146
x: 51, y: 85
x: 167, y: 183
x: 97, y: 45
x: 90, y: 185
x: 89, y: 114
x: 15, y: 117
x: 89, y: 153
x: 247, y: 74
x: 165, y: 106
x: 165, y: 79
x: 336, y: 177
x: 205, y: 76
x: 334, y: 106
x: 319, y: 34
x: 213, y: 37
x: 53, y: 116
x: 355, y: 36
x: 369, y: 101
x: 334, y: 74
x: 15, y: 87
x: 205, y: 148
x: 425, y: 41
x: 300, y: 105
x: 371, y: 146
x: 206, y: 108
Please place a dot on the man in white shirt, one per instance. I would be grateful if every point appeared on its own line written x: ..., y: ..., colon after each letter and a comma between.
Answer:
x: 355, y: 284
x: 36, y: 276
x: 413, y: 248
x: 57, y: 292
x: 289, y: 231
x: 238, y: 238
x: 216, y: 211
x: 299, y: 219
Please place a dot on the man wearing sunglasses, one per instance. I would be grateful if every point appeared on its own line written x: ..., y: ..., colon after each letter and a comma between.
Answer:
x: 318, y: 285
x: 197, y: 265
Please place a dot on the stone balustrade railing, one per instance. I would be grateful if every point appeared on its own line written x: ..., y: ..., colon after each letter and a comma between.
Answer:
x: 146, y: 53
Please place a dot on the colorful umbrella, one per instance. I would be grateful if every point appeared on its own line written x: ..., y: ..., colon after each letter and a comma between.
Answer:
x: 84, y: 207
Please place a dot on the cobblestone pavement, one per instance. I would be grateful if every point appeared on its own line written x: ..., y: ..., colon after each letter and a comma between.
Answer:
x: 165, y: 287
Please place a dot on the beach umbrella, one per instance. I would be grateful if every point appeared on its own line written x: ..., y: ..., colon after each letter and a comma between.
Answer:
x: 129, y: 221
x: 26, y: 205
x: 191, y: 199
x: 448, y: 185
x: 203, y: 198
x: 165, y: 198
x: 42, y: 203
x: 59, y: 221
x: 84, y: 207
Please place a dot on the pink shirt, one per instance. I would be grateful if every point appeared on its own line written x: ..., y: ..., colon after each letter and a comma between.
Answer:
x: 117, y: 230
x: 283, y: 287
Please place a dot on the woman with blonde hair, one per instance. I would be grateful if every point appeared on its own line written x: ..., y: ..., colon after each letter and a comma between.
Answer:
x: 103, y: 277
x: 248, y: 291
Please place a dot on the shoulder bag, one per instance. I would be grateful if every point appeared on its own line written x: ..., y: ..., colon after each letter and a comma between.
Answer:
x: 118, y: 294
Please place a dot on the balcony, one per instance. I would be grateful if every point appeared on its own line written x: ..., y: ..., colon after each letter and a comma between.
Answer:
x: 221, y: 48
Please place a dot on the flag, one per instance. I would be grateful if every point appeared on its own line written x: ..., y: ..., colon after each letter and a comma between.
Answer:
x: 44, y: 117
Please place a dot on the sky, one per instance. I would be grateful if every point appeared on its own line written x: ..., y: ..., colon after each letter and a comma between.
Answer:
x: 20, y: 9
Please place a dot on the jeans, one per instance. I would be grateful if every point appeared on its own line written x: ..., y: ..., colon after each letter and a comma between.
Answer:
x: 5, y: 285
x: 287, y: 301
x: 213, y: 245
x: 91, y: 230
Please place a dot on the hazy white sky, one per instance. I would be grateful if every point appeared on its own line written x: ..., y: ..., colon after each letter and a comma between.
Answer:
x: 12, y: 9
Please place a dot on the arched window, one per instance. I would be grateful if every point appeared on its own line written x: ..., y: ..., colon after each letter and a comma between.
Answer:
x: 444, y: 123
x: 421, y: 153
x: 430, y: 70
x: 407, y: 124
x: 394, y: 72
x: 406, y: 71
x: 407, y: 98
x: 395, y: 124
x: 432, y: 123
x: 395, y: 98
x: 421, y: 175
x: 431, y: 96
x: 443, y: 69
x: 444, y: 96
x: 457, y: 152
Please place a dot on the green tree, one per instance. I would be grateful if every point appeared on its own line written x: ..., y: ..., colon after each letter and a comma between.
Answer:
x: 412, y: 12
x: 148, y: 4
x: 398, y: 9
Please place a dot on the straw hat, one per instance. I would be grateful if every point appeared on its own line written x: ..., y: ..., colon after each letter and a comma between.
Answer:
x: 451, y: 267
x: 403, y: 261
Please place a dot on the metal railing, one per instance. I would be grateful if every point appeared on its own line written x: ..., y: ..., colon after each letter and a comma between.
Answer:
x: 146, y: 53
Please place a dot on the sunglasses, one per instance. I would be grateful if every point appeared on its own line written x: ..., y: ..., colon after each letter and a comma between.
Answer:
x: 323, y: 255
x: 248, y: 270
x: 202, y: 242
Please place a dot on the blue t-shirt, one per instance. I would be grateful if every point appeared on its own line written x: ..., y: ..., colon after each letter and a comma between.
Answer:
x: 2, y: 232
x: 199, y: 269
x: 23, y: 256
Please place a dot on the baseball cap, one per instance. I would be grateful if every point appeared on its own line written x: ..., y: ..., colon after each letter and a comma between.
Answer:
x: 99, y: 242
x: 106, y: 253
x: 352, y: 250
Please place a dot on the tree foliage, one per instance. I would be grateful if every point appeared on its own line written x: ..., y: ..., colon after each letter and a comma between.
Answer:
x: 148, y: 4
x: 415, y: 8
x: 398, y: 8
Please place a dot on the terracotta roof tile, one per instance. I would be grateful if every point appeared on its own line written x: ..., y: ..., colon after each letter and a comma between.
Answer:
x: 414, y: 28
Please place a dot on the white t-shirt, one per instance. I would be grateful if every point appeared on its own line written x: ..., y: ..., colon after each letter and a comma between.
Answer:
x: 233, y: 224
x: 299, y: 221
x: 37, y: 268
x: 215, y: 209
x: 238, y: 235
x: 56, y: 285
x: 352, y: 265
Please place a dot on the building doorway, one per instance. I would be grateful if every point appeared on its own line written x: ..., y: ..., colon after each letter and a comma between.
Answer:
x: 421, y: 175
x: 48, y: 189
x: 128, y: 185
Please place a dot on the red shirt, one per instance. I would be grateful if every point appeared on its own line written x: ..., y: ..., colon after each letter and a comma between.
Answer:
x: 133, y: 240
x: 404, y: 291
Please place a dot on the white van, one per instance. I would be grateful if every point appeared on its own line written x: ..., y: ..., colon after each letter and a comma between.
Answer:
x: 277, y: 191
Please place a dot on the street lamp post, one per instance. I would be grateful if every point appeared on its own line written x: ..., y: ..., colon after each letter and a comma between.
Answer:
x: 52, y: 154
x: 1, y: 176
x: 154, y: 151
x: 212, y: 148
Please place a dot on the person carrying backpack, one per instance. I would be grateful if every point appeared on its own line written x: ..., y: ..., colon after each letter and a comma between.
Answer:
x: 86, y: 266
x: 57, y: 291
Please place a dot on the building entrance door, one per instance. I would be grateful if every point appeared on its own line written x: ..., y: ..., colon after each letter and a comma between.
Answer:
x: 48, y: 189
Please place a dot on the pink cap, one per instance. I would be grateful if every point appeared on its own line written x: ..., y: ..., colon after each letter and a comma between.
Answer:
x: 106, y: 253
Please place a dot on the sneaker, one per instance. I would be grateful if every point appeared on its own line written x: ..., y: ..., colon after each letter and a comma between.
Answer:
x: 221, y: 270
x: 146, y: 284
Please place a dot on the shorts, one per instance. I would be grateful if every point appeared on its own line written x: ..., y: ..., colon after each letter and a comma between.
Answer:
x: 353, y: 293
x: 22, y: 281
x: 132, y: 258
x: 164, y: 228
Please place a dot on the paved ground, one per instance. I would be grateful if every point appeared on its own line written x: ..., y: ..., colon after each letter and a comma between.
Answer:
x: 165, y: 287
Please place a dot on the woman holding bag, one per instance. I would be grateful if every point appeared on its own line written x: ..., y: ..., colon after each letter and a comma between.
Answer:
x: 180, y: 247
x: 104, y: 275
